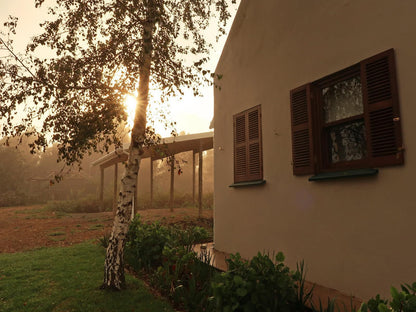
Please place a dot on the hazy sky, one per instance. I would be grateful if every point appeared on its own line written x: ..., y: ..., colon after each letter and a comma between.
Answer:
x: 192, y: 114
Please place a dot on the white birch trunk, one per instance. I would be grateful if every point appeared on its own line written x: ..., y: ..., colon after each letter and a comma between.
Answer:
x: 114, y: 261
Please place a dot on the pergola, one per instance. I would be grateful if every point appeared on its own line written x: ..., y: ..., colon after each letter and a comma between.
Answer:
x: 168, y: 147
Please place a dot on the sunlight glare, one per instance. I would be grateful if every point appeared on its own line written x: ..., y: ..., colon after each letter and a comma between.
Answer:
x: 130, y: 105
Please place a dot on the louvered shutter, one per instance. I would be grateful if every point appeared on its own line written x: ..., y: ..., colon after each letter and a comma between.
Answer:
x: 381, y: 107
x: 302, y: 140
x: 248, y: 160
x: 255, y: 163
x: 240, y: 148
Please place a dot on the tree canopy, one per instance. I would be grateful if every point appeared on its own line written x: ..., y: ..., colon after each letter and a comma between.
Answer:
x: 101, y: 51
x: 74, y: 95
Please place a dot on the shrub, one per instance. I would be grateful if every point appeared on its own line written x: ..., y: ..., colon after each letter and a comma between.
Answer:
x: 188, y: 280
x: 185, y: 279
x: 402, y: 301
x: 257, y: 285
x: 166, y: 253
x: 146, y: 242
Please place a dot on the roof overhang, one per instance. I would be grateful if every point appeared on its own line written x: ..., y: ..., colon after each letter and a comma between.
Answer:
x: 168, y: 147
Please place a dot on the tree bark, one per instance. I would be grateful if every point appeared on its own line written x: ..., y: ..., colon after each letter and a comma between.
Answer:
x: 114, y: 262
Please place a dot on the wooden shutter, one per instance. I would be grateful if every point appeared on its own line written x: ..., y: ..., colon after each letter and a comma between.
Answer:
x: 240, y: 148
x: 302, y: 140
x: 255, y: 163
x: 248, y: 158
x: 381, y: 109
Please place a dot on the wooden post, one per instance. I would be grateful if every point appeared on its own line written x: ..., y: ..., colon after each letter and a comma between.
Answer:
x: 193, y: 177
x: 115, y: 197
x: 200, y: 183
x: 101, y: 188
x: 172, y: 182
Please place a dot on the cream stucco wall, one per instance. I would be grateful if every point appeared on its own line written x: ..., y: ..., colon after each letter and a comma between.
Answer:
x: 355, y: 235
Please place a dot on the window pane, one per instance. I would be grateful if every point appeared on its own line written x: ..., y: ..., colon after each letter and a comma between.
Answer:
x: 347, y: 141
x: 343, y: 99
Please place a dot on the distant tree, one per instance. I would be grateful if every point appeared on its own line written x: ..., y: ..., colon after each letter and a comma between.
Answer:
x: 104, y: 50
x: 13, y: 178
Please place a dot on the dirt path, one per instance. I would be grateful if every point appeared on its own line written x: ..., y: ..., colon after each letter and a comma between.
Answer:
x: 30, y: 227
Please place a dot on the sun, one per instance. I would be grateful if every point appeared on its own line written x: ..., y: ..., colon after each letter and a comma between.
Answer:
x: 156, y: 114
x: 130, y: 105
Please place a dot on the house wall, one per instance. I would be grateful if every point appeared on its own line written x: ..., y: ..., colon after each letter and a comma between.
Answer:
x: 355, y: 235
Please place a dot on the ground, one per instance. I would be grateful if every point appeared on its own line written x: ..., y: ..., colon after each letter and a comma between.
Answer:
x: 30, y: 227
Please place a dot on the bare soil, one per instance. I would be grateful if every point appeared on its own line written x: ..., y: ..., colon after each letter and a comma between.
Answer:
x: 31, y: 227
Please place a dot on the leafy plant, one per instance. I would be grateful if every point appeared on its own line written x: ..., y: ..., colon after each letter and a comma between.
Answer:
x: 103, y: 241
x: 304, y: 294
x: 257, y: 285
x: 175, y: 270
x: 330, y: 306
x: 402, y: 301
x: 146, y: 242
x: 185, y: 279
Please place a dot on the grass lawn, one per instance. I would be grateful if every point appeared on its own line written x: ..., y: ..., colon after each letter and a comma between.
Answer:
x: 67, y: 279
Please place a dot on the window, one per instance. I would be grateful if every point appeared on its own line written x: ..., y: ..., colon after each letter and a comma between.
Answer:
x: 248, y: 158
x: 348, y: 120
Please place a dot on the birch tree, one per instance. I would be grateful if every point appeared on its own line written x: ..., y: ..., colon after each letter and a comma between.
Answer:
x: 103, y: 50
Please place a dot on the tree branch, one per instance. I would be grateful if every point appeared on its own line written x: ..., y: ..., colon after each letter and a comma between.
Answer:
x: 17, y: 58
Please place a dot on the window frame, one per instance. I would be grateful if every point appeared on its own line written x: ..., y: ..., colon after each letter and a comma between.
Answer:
x: 380, y: 103
x: 253, y: 158
x: 324, y: 163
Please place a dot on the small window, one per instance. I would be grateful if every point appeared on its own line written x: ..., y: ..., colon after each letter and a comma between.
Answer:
x: 348, y: 120
x: 248, y: 158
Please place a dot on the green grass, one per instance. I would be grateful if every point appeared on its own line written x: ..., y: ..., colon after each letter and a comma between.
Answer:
x: 30, y: 211
x: 95, y: 227
x: 67, y: 279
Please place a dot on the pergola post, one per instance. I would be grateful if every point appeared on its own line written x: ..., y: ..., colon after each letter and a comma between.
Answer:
x: 172, y: 181
x: 193, y: 177
x: 200, y: 182
x: 115, y: 197
x: 101, y: 192
x: 151, y: 182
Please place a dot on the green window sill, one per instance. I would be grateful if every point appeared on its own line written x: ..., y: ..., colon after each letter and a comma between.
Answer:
x: 344, y: 174
x: 249, y: 183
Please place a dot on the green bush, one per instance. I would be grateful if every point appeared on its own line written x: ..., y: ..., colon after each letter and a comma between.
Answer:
x: 402, y: 301
x: 175, y: 270
x: 257, y: 285
x: 185, y: 279
x: 188, y: 280
x: 146, y: 242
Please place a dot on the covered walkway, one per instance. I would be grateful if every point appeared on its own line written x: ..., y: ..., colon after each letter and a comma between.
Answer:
x: 168, y: 147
